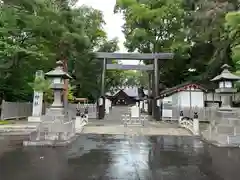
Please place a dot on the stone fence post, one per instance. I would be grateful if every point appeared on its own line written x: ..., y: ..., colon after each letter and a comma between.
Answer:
x: 180, y: 117
x: 195, y: 124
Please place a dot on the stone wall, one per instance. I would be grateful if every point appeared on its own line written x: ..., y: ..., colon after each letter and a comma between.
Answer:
x: 204, y: 114
x: 15, y: 110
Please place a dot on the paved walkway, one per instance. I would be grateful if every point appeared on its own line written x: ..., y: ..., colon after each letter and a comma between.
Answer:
x: 122, y: 157
x: 112, y: 124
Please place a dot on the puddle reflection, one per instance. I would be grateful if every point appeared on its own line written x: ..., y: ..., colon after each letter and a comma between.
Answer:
x: 108, y: 157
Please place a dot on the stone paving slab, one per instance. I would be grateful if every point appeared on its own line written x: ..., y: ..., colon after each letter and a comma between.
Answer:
x: 135, y: 130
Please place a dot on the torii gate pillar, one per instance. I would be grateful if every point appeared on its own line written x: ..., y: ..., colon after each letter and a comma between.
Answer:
x: 135, y: 56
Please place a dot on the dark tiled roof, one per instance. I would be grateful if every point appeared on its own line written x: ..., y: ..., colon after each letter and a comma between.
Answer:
x: 129, y: 91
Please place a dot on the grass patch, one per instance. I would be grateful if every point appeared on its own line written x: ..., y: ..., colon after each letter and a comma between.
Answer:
x: 4, y: 122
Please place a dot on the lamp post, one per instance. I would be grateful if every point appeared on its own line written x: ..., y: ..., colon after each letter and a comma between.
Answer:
x: 225, y: 87
x: 57, y: 77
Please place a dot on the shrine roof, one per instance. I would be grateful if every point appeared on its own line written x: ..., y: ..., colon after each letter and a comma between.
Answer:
x: 129, y: 91
x: 182, y: 87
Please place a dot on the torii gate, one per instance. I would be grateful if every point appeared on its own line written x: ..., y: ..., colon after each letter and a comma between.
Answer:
x: 154, y: 77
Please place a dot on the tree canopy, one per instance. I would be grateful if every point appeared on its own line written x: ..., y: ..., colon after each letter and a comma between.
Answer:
x: 195, y: 30
x: 35, y: 34
x: 203, y: 35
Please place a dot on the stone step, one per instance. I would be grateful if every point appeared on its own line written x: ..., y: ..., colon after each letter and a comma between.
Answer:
x: 17, y: 128
x: 229, y: 121
x: 214, y: 138
x: 17, y: 133
x: 224, y: 129
x: 234, y: 140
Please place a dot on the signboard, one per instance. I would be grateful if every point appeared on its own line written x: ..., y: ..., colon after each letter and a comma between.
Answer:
x: 135, y: 111
x: 38, y: 98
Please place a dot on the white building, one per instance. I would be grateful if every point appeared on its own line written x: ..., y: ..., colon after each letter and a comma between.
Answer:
x: 189, y: 98
x: 185, y: 95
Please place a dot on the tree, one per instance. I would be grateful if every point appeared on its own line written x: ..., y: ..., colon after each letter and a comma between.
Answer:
x: 233, y: 24
x: 157, y: 26
x: 136, y: 78
x: 153, y: 25
x: 207, y: 32
x: 192, y: 29
x: 35, y: 34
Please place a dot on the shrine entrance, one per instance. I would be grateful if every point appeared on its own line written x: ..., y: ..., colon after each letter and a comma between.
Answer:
x: 153, y: 74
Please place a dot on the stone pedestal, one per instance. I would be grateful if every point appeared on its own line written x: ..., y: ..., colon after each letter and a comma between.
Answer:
x: 34, y: 119
x: 226, y: 94
x: 80, y: 122
x: 57, y: 127
x: 224, y: 131
x: 101, y: 108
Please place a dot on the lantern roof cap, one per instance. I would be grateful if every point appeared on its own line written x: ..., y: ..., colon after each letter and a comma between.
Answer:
x: 226, y: 75
x: 58, y: 71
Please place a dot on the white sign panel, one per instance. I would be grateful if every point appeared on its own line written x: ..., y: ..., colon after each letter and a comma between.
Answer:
x: 107, y: 105
x: 100, y: 101
x: 135, y: 111
x: 145, y: 105
x: 38, y: 98
x: 37, y: 104
x: 141, y: 104
x: 167, y: 113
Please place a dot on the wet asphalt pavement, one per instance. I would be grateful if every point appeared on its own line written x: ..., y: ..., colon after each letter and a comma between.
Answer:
x: 121, y: 157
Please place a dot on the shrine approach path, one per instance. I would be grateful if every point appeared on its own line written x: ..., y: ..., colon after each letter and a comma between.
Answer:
x: 112, y: 124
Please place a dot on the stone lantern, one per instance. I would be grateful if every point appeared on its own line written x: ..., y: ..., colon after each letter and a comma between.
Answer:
x: 224, y: 129
x: 56, y: 127
x: 226, y: 87
x: 57, y: 77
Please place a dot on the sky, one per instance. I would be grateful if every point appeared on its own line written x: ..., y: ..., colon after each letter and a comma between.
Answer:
x: 113, y: 21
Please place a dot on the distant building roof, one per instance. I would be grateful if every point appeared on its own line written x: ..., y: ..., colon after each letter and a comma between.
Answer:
x: 130, y: 91
x: 81, y: 99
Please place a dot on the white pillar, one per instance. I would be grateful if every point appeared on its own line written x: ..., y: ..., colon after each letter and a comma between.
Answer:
x: 78, y: 122
x: 180, y: 117
x: 107, y: 106
x: 37, y: 102
x: 145, y: 105
x: 195, y: 124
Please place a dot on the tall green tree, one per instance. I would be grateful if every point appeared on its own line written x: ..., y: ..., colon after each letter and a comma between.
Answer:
x: 193, y: 30
x: 207, y: 32
x: 233, y: 25
x: 136, y: 78
x: 153, y: 25
x: 35, y: 34
x: 157, y: 26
